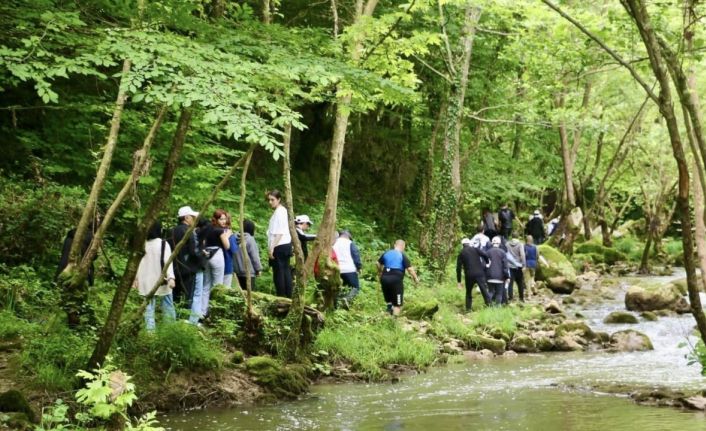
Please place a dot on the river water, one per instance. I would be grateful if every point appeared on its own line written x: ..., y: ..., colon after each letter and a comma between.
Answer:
x: 529, y: 392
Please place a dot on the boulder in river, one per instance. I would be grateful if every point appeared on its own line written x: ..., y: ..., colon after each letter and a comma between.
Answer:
x: 655, y: 296
x: 480, y: 342
x: 481, y: 355
x: 523, y: 343
x: 630, y: 341
x: 558, y: 273
x: 553, y: 307
x: 620, y: 317
x: 570, y: 342
x: 576, y: 327
x: 283, y: 381
x: 649, y: 316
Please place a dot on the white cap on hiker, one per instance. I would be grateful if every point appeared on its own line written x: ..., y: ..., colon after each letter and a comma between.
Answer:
x: 465, y: 241
x: 301, y: 219
x: 187, y: 211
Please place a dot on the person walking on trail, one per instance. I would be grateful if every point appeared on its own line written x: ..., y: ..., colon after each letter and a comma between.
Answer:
x: 149, y: 272
x: 279, y: 245
x: 471, y: 261
x: 482, y: 238
x: 303, y: 223
x: 392, y: 266
x: 489, y: 226
x: 533, y: 257
x: 535, y: 227
x: 497, y: 272
x: 349, y: 263
x: 188, y: 261
x: 253, y: 253
x: 228, y: 269
x: 216, y: 242
x: 506, y: 217
x: 516, y: 263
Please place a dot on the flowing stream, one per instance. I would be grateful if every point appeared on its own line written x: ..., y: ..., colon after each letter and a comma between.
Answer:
x: 529, y: 392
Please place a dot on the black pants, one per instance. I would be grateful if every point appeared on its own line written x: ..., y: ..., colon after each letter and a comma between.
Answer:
x: 482, y: 285
x: 183, y: 286
x: 392, y: 283
x: 519, y: 278
x: 281, y: 272
x: 242, y: 281
x: 506, y: 231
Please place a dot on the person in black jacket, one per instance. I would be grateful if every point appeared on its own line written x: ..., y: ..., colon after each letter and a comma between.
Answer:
x: 506, y: 216
x: 303, y: 223
x: 186, y: 264
x: 471, y: 261
x: 498, y: 272
x: 535, y: 227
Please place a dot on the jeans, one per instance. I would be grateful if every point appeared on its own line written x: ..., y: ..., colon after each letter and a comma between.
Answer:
x: 196, y: 313
x: 167, y: 308
x: 351, y: 279
x: 212, y: 276
x: 517, y: 277
x: 497, y: 292
x: 281, y: 272
x: 228, y: 280
x: 482, y: 285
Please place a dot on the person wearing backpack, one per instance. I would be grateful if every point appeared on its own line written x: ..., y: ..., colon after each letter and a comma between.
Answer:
x: 506, y: 216
x: 186, y: 263
x: 149, y: 272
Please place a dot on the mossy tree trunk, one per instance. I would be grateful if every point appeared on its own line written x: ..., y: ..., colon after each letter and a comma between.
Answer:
x: 324, y: 240
x: 637, y: 10
x: 447, y: 184
x: 137, y: 246
x: 73, y: 278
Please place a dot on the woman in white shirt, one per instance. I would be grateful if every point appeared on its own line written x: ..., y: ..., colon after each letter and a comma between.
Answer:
x: 157, y: 252
x: 279, y: 245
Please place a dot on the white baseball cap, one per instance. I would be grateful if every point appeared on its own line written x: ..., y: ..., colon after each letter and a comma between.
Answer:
x: 303, y: 219
x: 187, y: 211
x: 465, y: 241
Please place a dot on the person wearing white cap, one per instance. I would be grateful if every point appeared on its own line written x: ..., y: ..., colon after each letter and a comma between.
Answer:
x: 535, y: 227
x: 186, y: 263
x: 471, y: 261
x: 303, y: 223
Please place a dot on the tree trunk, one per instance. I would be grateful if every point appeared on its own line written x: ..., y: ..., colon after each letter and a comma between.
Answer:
x: 137, y: 247
x: 606, y: 236
x: 73, y: 277
x: 638, y: 12
x: 328, y: 222
x: 448, y: 188
x: 700, y: 226
x: 645, y: 259
x: 252, y: 320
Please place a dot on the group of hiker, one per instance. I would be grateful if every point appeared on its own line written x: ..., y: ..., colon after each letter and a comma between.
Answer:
x: 213, y: 254
x: 495, y: 259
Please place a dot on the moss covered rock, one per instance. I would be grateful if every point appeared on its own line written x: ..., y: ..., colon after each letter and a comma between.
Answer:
x: 421, y: 310
x: 620, y: 317
x: 283, y: 381
x: 575, y: 327
x: 14, y: 401
x: 630, y: 341
x: 681, y: 284
x: 653, y: 296
x: 523, y: 344
x: 480, y: 342
x: 558, y: 273
x: 649, y: 316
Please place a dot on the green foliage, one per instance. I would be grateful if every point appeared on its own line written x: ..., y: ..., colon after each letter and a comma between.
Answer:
x: 13, y: 327
x: 372, y: 346
x: 180, y: 346
x: 108, y: 394
x: 40, y: 216
x: 53, y: 356
x: 696, y: 355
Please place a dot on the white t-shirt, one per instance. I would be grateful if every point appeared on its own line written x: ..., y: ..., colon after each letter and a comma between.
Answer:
x: 279, y: 225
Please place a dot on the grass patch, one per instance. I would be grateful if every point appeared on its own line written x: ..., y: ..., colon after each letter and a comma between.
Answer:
x: 13, y: 327
x: 372, y: 346
x: 503, y: 318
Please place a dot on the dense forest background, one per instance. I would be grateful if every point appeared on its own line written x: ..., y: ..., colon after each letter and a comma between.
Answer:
x: 394, y: 119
